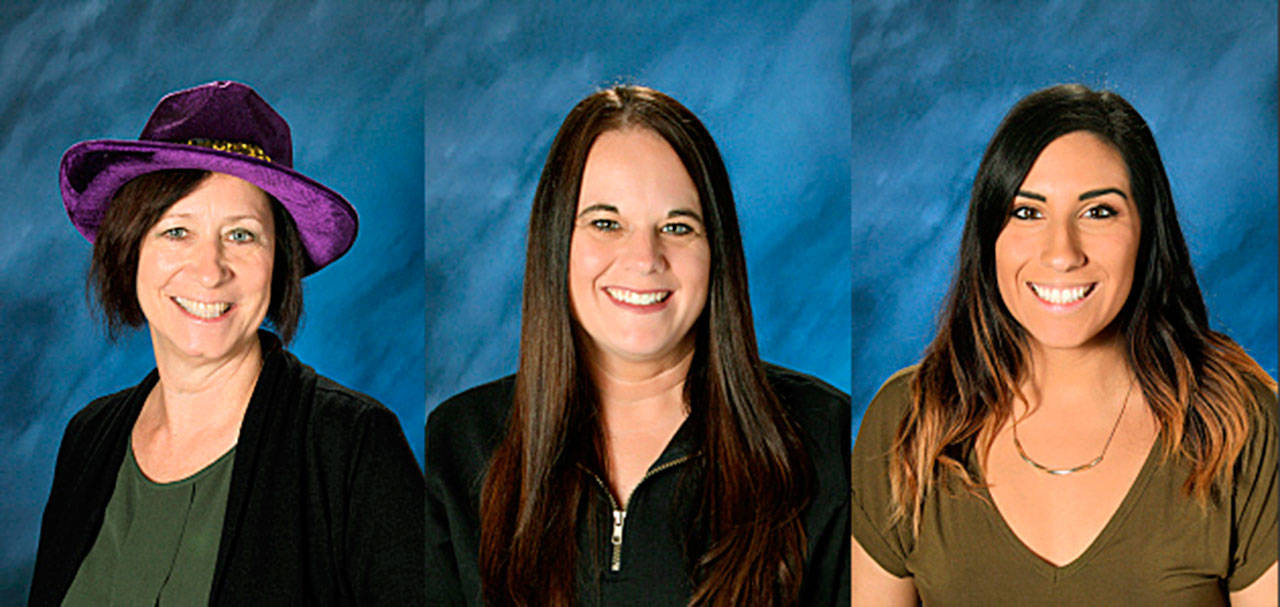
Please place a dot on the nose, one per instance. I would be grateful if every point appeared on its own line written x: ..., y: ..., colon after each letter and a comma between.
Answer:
x: 208, y: 263
x: 1062, y: 248
x: 643, y: 252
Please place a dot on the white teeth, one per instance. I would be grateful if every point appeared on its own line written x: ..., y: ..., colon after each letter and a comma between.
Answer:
x: 637, y: 299
x: 1060, y: 296
x: 202, y: 309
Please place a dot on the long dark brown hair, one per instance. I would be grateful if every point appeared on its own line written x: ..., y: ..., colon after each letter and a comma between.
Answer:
x: 756, y: 477
x: 1198, y: 383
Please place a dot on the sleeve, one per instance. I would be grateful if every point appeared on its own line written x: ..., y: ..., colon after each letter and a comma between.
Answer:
x: 385, y: 534
x: 52, y: 556
x: 889, y: 544
x: 443, y: 579
x: 1254, y: 498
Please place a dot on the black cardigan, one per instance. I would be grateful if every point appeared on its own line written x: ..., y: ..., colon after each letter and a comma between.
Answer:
x: 463, y: 431
x: 325, y: 505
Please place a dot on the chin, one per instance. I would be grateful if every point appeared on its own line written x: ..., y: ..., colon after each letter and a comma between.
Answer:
x: 1069, y: 339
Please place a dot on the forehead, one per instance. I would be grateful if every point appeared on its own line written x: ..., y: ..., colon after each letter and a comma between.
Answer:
x: 222, y: 195
x: 635, y: 166
x: 1076, y: 160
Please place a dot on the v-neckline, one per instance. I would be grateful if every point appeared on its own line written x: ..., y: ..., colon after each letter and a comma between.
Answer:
x: 1117, y: 519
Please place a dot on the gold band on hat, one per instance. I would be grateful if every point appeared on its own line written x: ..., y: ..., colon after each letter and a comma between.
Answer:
x: 235, y: 147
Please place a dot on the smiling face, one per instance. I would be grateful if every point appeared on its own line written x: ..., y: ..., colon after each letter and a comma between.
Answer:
x: 639, y: 258
x: 1065, y: 257
x: 204, y: 270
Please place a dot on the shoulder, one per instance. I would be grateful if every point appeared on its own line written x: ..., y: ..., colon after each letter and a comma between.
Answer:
x: 322, y: 414
x: 820, y: 413
x: 104, y: 413
x: 1260, y: 448
x: 891, y: 403
x: 472, y: 419
x: 878, y: 429
x: 1264, y: 402
x: 480, y: 408
x: 811, y: 401
x: 100, y: 409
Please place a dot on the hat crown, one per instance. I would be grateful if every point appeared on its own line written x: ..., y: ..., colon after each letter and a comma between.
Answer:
x: 225, y: 111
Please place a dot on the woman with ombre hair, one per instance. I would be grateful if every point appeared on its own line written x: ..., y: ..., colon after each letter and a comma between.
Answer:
x: 1076, y: 434
x: 642, y: 454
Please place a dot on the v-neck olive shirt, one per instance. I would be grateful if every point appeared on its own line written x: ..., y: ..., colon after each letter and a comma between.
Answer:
x: 1158, y: 548
x: 159, y: 541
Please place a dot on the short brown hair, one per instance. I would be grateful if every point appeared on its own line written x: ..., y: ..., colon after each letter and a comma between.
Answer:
x: 136, y: 207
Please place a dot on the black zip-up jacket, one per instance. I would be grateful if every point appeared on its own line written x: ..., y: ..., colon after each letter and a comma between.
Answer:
x: 324, y: 507
x: 636, y: 557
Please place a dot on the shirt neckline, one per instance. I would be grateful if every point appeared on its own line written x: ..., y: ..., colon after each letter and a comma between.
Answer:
x: 1056, y: 572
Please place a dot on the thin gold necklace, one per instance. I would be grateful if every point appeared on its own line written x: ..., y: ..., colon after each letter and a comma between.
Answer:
x: 1065, y: 471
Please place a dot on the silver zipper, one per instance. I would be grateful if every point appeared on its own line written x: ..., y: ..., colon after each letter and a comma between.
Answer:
x: 619, y: 517
x: 620, y: 514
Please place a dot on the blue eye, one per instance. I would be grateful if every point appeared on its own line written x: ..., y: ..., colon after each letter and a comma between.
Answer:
x: 174, y: 233
x: 1025, y: 213
x: 605, y: 225
x: 678, y: 229
x: 240, y: 235
x: 1101, y: 211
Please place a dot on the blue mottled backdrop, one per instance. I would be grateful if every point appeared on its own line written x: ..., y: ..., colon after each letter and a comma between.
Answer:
x: 931, y: 81
x: 349, y: 81
x: 770, y: 81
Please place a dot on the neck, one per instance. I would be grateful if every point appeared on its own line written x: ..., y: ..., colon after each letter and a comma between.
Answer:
x: 634, y: 394
x: 1095, y: 375
x: 197, y: 395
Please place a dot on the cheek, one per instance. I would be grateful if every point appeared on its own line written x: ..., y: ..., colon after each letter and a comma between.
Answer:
x: 583, y: 261
x: 257, y: 272
x: 695, y: 268
x: 1124, y: 256
x: 154, y: 263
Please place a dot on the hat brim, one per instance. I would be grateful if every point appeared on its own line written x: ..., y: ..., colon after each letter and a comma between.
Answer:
x: 92, y: 171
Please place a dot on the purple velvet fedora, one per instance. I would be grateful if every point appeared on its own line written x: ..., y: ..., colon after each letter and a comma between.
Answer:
x: 223, y: 127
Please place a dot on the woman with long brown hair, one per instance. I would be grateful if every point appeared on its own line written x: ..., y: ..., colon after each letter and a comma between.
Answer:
x: 642, y: 454
x: 1076, y: 433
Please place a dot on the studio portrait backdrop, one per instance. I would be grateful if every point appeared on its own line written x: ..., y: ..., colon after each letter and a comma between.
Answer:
x: 931, y: 82
x: 768, y: 80
x: 347, y: 79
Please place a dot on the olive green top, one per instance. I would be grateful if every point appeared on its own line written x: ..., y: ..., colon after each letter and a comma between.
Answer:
x: 1159, y: 547
x: 159, y: 541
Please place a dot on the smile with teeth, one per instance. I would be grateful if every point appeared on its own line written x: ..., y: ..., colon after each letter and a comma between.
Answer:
x: 1061, y: 296
x: 637, y: 298
x: 200, y: 309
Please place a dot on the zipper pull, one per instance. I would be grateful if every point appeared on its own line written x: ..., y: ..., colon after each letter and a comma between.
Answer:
x: 619, y: 517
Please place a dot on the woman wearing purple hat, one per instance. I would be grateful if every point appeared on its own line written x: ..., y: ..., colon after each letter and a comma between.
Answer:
x: 233, y: 473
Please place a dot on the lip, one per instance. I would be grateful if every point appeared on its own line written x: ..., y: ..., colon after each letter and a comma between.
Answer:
x: 201, y: 303
x: 663, y: 298
x: 1061, y: 297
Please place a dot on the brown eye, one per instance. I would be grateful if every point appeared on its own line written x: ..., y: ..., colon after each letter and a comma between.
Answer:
x: 1025, y: 213
x: 1101, y: 211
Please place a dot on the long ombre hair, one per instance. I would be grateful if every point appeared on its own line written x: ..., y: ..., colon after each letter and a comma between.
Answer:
x: 1198, y: 383
x: 746, y: 544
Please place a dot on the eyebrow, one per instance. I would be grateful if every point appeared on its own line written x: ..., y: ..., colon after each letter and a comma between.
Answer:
x: 598, y: 207
x: 1084, y: 196
x: 1102, y: 192
x: 608, y: 208
x: 685, y: 213
x: 231, y: 219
